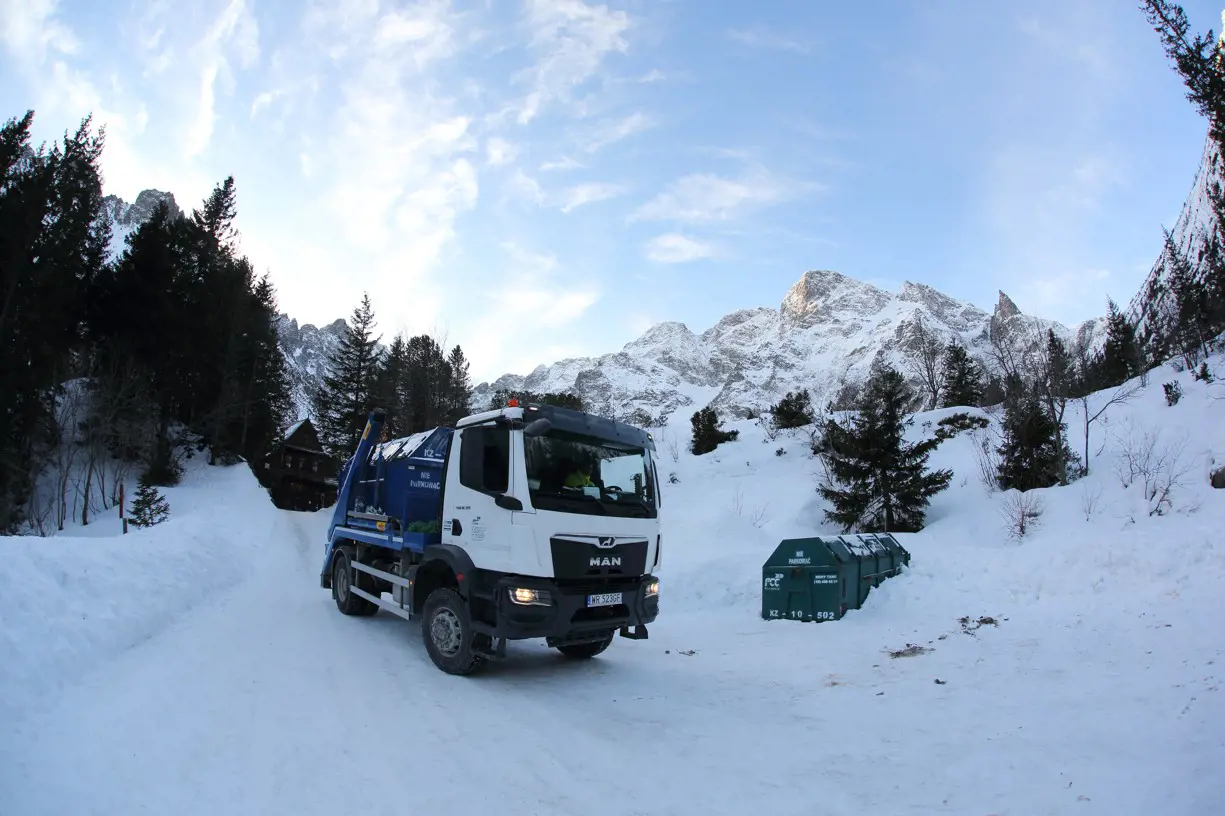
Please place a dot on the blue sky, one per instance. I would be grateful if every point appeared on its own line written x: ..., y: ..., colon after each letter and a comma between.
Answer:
x: 542, y: 179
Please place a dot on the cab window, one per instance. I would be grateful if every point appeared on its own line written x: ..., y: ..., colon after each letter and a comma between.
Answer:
x: 485, y: 459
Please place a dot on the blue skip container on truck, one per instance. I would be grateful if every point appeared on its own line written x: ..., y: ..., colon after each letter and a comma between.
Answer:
x: 521, y: 522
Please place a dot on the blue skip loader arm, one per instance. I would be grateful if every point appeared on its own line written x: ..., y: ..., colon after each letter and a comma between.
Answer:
x: 358, y: 467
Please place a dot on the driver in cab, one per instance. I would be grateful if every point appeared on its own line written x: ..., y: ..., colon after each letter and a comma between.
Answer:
x: 580, y: 476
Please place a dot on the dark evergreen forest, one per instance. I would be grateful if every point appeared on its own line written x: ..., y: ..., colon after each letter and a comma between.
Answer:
x: 122, y: 367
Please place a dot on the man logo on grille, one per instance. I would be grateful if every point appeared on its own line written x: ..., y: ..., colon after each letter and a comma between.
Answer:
x: 604, y: 542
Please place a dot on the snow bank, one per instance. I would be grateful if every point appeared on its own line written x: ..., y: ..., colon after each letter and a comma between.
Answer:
x: 71, y: 602
x: 727, y: 510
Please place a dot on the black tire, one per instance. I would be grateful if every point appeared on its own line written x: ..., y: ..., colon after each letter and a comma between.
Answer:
x: 446, y: 628
x: 585, y: 651
x: 346, y: 601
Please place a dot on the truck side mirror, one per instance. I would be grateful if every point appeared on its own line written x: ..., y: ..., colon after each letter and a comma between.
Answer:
x: 507, y: 502
x: 537, y: 427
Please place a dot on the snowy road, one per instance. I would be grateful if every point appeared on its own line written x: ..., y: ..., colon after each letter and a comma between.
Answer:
x: 267, y: 700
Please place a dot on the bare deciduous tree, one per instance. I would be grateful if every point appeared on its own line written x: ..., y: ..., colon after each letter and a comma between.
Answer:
x: 924, y: 359
x: 1094, y: 406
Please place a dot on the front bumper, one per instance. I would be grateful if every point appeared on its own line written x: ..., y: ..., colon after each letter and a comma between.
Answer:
x: 567, y: 618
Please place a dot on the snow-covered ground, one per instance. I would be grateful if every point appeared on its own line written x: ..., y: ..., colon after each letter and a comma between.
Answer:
x: 198, y: 668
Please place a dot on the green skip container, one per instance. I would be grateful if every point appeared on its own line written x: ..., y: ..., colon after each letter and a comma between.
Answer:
x: 820, y: 578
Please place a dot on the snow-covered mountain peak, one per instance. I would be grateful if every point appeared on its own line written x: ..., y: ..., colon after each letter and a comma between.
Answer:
x: 125, y: 217
x: 1005, y: 309
x: 822, y: 295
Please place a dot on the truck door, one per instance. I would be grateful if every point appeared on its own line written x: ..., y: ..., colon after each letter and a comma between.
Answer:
x: 471, y: 518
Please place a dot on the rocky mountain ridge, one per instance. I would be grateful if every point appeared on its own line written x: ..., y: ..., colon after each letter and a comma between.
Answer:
x: 125, y: 217
x: 828, y: 330
x: 1195, y: 223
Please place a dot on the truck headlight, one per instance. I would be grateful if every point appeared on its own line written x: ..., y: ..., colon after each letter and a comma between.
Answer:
x: 652, y: 589
x: 529, y: 597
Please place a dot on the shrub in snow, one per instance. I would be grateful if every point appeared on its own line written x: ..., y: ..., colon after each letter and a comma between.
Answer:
x: 150, y: 506
x: 1203, y: 374
x: 875, y: 480
x: 1089, y: 502
x: 792, y: 411
x: 707, y: 435
x: 1158, y: 464
x: 1021, y: 512
x: 1173, y: 393
x: 954, y: 424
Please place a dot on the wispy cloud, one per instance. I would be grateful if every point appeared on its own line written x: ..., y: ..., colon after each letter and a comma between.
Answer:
x: 565, y: 163
x: 393, y: 158
x: 498, y: 152
x: 621, y: 129
x: 1092, y: 53
x: 535, y: 299
x: 674, y: 248
x: 589, y: 193
x: 234, y: 31
x: 571, y: 39
x: 759, y: 36
x: 703, y: 198
x: 1090, y: 179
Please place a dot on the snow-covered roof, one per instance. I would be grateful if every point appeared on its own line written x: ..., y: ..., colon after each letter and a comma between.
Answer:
x: 293, y: 429
x: 404, y: 446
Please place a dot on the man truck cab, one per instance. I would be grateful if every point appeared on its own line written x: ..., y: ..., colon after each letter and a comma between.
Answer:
x: 478, y: 531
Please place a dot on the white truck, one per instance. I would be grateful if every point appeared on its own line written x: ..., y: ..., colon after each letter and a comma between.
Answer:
x: 520, y: 522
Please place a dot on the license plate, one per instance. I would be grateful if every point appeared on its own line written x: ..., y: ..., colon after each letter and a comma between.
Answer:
x: 607, y: 599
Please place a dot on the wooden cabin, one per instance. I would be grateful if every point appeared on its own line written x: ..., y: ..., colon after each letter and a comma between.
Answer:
x: 298, y: 473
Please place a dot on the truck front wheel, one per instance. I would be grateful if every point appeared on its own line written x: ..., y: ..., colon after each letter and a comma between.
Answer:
x: 447, y: 629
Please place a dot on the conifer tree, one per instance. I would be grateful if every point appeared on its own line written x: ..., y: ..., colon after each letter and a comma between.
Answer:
x: 459, y: 396
x: 963, y: 378
x: 707, y: 435
x: 1190, y: 328
x: 560, y: 399
x: 879, y: 482
x: 1030, y: 456
x: 1056, y: 386
x: 1120, y: 354
x: 150, y: 506
x: 53, y: 242
x: 792, y: 411
x: 427, y: 382
x: 344, y: 399
x: 267, y: 402
x: 390, y: 383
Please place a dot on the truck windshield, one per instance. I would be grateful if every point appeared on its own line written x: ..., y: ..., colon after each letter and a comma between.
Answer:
x: 573, y: 473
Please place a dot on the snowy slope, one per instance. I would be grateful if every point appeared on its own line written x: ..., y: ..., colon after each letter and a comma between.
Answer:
x: 828, y: 330
x: 1097, y: 690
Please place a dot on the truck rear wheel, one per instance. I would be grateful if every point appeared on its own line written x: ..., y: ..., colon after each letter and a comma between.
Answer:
x: 346, y: 601
x: 585, y: 651
x: 446, y: 627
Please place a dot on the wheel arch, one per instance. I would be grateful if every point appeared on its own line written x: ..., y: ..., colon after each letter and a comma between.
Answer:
x: 444, y: 565
x: 342, y: 547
